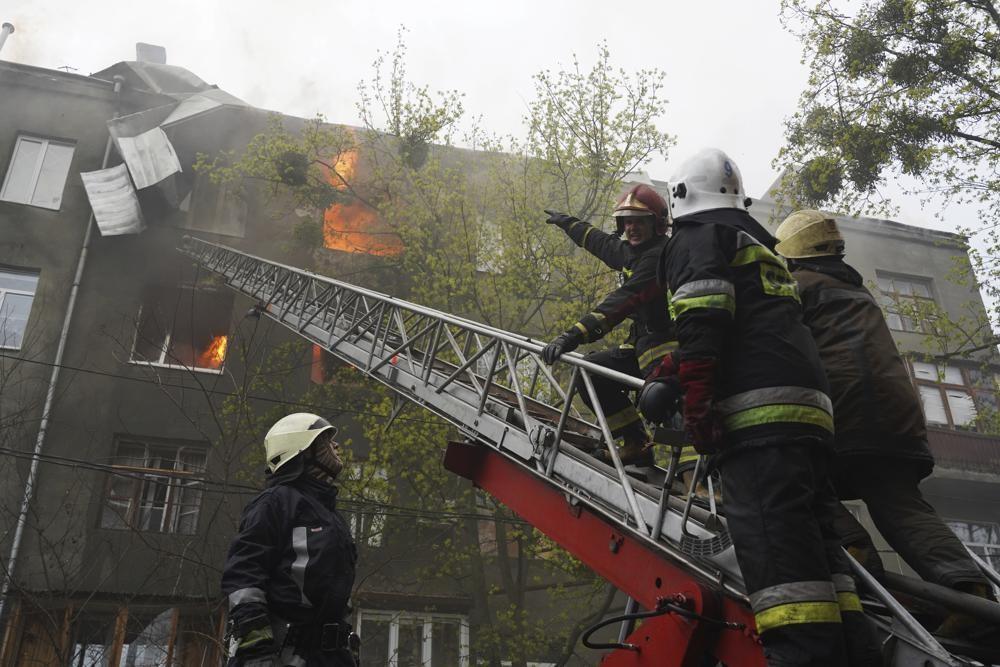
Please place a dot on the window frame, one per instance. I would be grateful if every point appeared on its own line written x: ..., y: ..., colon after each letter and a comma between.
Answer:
x: 144, y: 481
x: 991, y: 550
x: 894, y: 298
x: 37, y: 169
x: 427, y: 632
x: 163, y: 360
x: 969, y: 387
x: 4, y: 291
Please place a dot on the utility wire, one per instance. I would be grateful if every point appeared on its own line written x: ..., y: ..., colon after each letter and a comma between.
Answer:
x: 217, y: 392
x: 235, y: 488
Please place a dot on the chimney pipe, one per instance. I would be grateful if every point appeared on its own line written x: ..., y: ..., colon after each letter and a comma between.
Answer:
x: 5, y: 30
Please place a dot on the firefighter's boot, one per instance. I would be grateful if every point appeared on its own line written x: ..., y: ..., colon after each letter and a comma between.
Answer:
x: 965, y: 627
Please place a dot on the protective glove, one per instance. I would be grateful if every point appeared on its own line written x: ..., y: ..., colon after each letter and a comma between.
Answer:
x: 697, y: 377
x: 254, y: 636
x: 668, y: 367
x: 660, y: 399
x: 564, y: 342
x: 562, y: 220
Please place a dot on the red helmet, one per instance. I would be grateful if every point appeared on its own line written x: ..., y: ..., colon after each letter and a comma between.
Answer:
x: 641, y: 200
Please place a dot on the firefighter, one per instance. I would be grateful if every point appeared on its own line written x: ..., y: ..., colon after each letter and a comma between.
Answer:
x: 755, y: 396
x: 881, y: 437
x: 641, y: 216
x: 290, y: 569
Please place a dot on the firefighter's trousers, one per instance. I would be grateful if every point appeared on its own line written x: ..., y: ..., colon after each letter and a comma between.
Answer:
x: 890, y: 489
x: 623, y: 419
x: 779, y: 507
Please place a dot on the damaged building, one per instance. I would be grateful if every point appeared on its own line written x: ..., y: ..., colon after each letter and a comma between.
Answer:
x: 120, y: 360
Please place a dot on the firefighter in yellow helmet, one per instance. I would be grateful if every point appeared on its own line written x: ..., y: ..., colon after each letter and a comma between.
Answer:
x: 290, y: 568
x: 880, y: 434
x: 641, y: 217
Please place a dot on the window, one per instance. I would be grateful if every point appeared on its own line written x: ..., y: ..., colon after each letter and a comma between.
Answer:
x: 982, y: 538
x: 906, y: 297
x: 155, y: 487
x: 953, y: 396
x: 400, y: 639
x: 17, y: 291
x: 37, y: 172
x: 184, y: 328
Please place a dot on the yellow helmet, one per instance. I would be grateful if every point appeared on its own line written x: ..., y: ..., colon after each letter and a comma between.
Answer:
x: 809, y: 233
x: 292, y: 435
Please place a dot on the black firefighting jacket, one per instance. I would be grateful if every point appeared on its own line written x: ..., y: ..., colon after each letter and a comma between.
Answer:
x: 293, y: 554
x: 875, y: 407
x: 735, y: 302
x: 639, y: 297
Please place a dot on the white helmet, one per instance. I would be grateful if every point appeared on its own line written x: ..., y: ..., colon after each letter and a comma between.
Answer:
x: 291, y: 435
x: 706, y: 180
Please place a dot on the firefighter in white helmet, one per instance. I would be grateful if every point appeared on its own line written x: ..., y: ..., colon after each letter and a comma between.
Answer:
x: 756, y: 397
x: 880, y: 434
x: 290, y: 569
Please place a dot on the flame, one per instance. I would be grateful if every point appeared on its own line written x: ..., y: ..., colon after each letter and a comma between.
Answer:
x: 214, y: 354
x: 354, y: 227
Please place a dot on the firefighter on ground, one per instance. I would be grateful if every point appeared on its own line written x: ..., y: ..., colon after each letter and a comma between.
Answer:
x: 290, y: 569
x: 881, y: 437
x: 641, y: 215
x: 755, y: 396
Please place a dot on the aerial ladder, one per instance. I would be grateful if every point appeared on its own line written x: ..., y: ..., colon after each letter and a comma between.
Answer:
x: 524, y: 442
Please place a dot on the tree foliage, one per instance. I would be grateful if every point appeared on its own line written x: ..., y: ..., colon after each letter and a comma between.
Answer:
x: 897, y: 87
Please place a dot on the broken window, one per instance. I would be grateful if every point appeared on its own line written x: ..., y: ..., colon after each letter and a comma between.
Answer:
x: 37, y: 172
x: 953, y: 396
x: 183, y: 327
x: 17, y: 291
x: 155, y: 487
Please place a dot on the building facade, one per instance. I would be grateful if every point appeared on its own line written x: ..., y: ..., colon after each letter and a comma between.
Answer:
x: 162, y: 386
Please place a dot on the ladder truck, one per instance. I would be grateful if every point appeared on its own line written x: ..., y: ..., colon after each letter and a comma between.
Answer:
x: 525, y: 443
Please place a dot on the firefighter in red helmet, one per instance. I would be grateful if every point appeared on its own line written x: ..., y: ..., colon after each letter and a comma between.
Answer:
x: 641, y: 217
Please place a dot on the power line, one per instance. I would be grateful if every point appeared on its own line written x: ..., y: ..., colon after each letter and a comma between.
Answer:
x: 217, y: 392
x: 235, y: 488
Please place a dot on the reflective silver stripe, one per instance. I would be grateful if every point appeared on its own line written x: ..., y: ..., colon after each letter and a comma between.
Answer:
x: 743, y: 240
x: 703, y: 288
x: 844, y: 583
x: 300, y: 543
x: 797, y: 591
x: 246, y: 595
x: 774, y: 395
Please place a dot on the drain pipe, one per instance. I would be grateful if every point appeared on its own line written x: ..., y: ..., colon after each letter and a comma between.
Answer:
x: 6, y: 30
x: 29, y: 485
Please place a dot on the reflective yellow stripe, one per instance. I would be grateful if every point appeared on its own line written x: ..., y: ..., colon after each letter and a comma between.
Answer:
x: 755, y: 253
x: 583, y: 241
x: 720, y: 301
x: 797, y: 612
x: 601, y: 318
x: 849, y: 602
x: 775, y: 414
x: 622, y: 418
x: 688, y: 453
x: 583, y: 330
x: 653, y: 353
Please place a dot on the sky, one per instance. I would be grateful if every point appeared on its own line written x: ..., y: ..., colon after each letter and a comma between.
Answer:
x: 733, y: 74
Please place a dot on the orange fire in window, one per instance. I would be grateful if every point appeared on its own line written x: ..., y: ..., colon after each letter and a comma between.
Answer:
x: 354, y: 227
x: 214, y: 354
